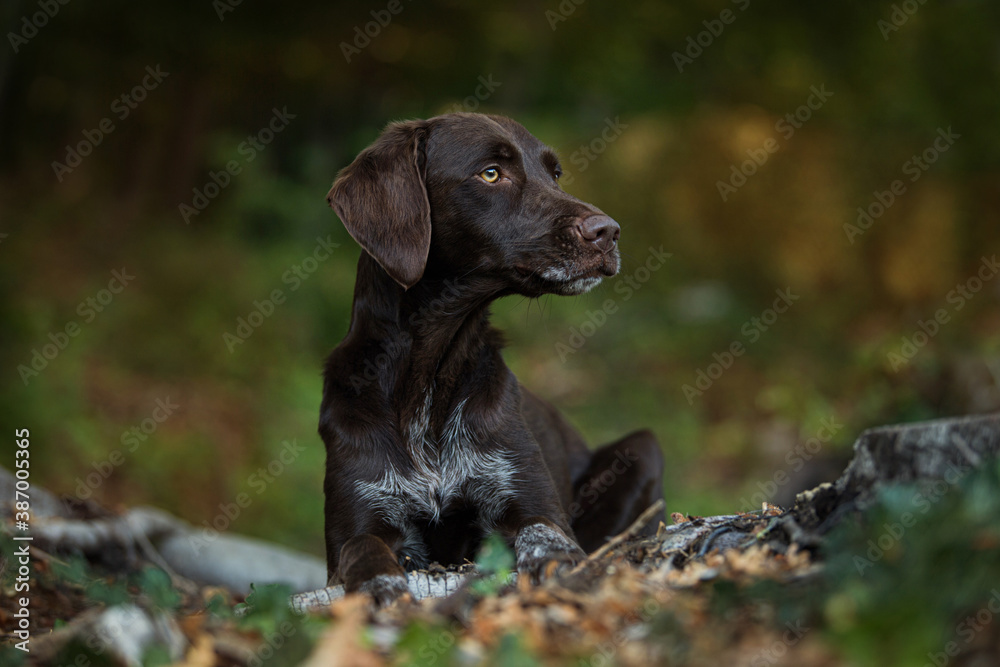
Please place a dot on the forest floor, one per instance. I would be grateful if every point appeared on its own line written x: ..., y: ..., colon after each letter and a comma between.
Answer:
x: 895, y: 563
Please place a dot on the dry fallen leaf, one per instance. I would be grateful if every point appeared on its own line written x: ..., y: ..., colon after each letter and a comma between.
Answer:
x: 201, y: 653
x: 340, y: 643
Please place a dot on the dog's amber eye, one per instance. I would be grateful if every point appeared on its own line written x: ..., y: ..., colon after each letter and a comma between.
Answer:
x: 491, y: 175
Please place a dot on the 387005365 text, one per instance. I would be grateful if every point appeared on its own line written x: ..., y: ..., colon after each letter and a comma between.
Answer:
x: 22, y: 557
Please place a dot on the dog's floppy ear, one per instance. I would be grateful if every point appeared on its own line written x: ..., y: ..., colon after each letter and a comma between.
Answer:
x: 382, y: 200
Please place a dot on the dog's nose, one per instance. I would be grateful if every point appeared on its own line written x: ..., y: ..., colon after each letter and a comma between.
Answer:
x: 600, y: 230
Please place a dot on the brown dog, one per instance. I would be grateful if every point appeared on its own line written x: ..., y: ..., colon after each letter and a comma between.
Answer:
x: 431, y: 441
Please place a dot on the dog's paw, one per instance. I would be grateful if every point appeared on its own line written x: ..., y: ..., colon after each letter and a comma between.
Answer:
x: 544, y: 550
x: 385, y: 589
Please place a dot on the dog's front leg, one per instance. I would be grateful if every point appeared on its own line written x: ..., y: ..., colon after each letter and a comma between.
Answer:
x: 536, y: 522
x: 541, y: 542
x: 368, y: 565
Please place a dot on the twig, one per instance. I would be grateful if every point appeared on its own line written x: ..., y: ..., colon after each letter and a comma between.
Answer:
x: 179, y: 582
x: 707, y: 544
x: 617, y: 540
x: 42, y: 555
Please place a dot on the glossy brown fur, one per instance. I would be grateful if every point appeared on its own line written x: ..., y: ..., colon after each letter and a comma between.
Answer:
x: 431, y: 441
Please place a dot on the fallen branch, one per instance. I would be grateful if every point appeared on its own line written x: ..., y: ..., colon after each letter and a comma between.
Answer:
x: 185, y: 552
x: 422, y: 585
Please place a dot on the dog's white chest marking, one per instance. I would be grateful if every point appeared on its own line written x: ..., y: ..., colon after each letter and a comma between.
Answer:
x: 443, y: 471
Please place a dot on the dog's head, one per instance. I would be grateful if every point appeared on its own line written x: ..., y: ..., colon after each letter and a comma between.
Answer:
x: 465, y: 195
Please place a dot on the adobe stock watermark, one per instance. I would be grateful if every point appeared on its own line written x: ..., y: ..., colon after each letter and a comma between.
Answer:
x: 363, y: 35
x: 786, y: 127
x: 911, y: 344
x: 432, y: 649
x: 248, y: 151
x: 590, y: 151
x: 223, y: 7
x: 59, y: 340
x: 795, y: 460
x: 130, y: 439
x: 294, y: 277
x: 967, y: 629
x: 121, y: 108
x: 751, y: 330
x: 562, y: 12
x: 258, y: 481
x: 626, y: 285
x: 483, y: 92
x: 30, y: 25
x: 271, y: 643
x: 922, y: 501
x: 993, y: 366
x: 898, y: 17
x: 915, y: 167
x: 696, y: 44
x: 596, y: 486
x: 395, y: 346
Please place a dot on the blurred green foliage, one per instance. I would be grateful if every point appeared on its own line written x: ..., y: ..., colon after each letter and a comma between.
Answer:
x: 682, y: 132
x: 150, y: 585
x: 287, y: 638
x: 918, y: 571
x: 495, y: 562
x: 148, y: 589
x: 423, y: 643
x: 925, y: 558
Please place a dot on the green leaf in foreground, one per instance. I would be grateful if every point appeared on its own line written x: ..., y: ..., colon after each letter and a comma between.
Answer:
x: 495, y: 563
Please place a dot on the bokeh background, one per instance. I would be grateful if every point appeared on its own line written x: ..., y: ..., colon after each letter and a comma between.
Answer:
x: 566, y: 71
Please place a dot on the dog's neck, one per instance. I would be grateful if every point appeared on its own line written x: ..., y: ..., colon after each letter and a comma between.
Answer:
x: 433, y: 330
